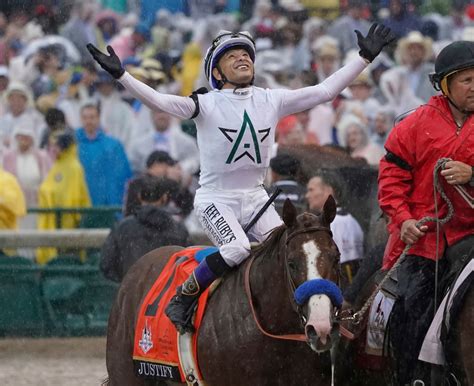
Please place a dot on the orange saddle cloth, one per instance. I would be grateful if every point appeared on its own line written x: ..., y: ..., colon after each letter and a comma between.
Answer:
x: 155, y: 350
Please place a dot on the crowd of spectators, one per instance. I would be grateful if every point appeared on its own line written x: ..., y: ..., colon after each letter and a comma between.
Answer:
x: 71, y: 136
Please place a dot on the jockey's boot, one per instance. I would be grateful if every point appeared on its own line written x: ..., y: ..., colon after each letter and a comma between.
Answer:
x: 181, y: 306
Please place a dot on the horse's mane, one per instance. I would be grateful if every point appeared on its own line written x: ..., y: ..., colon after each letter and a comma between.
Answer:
x: 271, y: 242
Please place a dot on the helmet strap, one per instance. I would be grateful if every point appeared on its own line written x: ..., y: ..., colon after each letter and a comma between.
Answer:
x: 444, y: 87
x: 224, y: 80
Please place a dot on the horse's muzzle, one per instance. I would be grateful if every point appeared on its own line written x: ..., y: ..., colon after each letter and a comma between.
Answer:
x: 319, y: 322
x: 316, y: 343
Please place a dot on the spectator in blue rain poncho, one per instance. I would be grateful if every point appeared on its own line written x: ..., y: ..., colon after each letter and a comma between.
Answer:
x: 103, y: 158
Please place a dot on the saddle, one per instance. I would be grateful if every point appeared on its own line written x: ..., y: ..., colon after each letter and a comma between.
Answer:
x: 159, y: 351
x: 390, y: 287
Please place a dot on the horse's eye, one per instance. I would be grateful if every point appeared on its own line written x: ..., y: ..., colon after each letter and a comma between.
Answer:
x: 292, y: 265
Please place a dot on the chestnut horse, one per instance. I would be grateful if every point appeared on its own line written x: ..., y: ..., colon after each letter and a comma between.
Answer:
x: 231, y: 349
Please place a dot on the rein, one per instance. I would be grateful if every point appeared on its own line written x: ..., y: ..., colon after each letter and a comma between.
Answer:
x: 357, y: 317
x: 248, y: 290
x: 465, y: 195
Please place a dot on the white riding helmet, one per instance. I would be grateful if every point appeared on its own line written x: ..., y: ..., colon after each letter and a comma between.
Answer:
x: 224, y: 41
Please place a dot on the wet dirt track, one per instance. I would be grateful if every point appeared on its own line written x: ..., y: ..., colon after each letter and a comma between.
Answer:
x: 52, y: 361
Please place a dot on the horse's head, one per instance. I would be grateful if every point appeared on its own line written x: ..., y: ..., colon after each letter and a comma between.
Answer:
x: 313, y: 269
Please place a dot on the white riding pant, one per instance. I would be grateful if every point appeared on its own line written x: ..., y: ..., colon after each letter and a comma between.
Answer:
x: 223, y: 214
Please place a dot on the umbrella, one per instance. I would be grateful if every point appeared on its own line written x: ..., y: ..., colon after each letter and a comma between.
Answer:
x: 70, y: 50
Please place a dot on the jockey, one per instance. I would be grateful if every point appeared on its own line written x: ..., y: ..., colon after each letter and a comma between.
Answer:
x: 235, y: 132
x: 444, y: 127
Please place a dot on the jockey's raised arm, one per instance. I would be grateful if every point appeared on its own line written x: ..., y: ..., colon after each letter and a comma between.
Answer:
x: 236, y: 123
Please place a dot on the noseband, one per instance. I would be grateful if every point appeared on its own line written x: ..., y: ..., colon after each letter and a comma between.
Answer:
x: 291, y: 282
x: 291, y: 285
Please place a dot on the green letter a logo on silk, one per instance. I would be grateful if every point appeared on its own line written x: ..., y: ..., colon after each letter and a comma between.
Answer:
x: 241, y: 148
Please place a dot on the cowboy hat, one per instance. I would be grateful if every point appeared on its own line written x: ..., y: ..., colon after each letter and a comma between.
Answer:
x: 414, y: 37
x: 363, y: 79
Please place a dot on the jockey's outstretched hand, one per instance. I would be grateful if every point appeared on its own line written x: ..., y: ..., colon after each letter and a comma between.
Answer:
x: 457, y: 173
x: 410, y: 233
x: 110, y: 63
x: 377, y: 38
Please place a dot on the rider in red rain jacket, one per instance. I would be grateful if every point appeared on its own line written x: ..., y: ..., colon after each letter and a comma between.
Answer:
x: 428, y: 134
x: 443, y: 128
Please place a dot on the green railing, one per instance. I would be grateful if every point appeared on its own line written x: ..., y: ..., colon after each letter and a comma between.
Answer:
x: 95, y: 217
x: 62, y: 298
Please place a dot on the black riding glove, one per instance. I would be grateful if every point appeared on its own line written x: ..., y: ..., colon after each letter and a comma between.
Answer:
x: 378, y: 37
x: 110, y: 63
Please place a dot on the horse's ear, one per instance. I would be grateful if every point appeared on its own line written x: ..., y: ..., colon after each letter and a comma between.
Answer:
x: 289, y: 213
x: 329, y: 210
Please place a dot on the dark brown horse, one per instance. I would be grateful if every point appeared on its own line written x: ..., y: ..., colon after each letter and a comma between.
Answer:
x: 459, y: 348
x: 231, y: 348
x: 360, y: 182
x: 353, y: 366
x: 466, y: 343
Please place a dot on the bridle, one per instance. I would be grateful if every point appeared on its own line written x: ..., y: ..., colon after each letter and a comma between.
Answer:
x: 291, y: 286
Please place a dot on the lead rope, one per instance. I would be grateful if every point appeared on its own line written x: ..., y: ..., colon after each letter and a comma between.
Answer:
x: 357, y: 317
x: 435, y: 198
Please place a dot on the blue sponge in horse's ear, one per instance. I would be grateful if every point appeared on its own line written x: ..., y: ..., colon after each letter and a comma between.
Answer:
x: 318, y: 287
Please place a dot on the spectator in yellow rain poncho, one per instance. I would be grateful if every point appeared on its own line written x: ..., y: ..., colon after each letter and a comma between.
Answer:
x: 191, y: 68
x: 64, y: 186
x: 12, y: 203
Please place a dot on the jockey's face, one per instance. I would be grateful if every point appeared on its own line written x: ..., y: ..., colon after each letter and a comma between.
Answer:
x: 237, y: 66
x: 461, y: 87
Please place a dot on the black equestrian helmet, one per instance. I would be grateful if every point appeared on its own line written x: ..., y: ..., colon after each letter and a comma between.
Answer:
x: 454, y: 57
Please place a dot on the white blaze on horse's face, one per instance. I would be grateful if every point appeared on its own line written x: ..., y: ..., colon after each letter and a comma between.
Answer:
x: 319, y: 306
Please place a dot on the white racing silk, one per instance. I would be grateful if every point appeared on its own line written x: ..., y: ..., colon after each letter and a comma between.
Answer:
x: 236, y: 130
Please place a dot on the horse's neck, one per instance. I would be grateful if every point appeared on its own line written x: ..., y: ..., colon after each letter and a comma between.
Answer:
x: 270, y: 289
x: 268, y: 273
